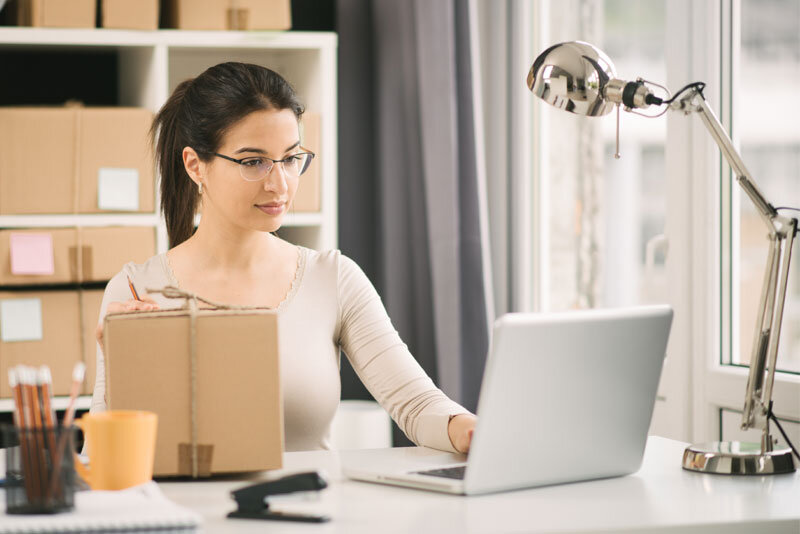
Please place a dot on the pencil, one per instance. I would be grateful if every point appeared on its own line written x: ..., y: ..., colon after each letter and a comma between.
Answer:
x: 38, y: 429
x: 28, y: 385
x: 48, y: 413
x: 15, y: 380
x: 133, y: 289
x: 46, y: 380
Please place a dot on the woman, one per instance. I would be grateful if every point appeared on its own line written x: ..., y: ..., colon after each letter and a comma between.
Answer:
x: 229, y: 142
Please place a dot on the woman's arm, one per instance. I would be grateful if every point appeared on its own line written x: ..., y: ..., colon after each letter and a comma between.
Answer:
x: 117, y: 298
x: 389, y: 371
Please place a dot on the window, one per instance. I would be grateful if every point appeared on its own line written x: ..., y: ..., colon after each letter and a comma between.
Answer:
x: 606, y: 215
x: 766, y: 122
x: 608, y: 221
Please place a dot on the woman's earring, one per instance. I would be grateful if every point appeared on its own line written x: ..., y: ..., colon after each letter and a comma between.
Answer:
x: 200, y: 188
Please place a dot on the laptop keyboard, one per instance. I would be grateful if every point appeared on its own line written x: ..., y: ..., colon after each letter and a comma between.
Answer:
x: 456, y: 472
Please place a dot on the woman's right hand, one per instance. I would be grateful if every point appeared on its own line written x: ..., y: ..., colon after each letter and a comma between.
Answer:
x: 146, y: 304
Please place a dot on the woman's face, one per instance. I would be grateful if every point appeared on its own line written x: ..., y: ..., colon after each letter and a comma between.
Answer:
x: 256, y: 205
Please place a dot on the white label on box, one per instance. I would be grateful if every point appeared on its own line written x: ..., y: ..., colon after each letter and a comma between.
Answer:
x: 21, y: 320
x: 118, y: 189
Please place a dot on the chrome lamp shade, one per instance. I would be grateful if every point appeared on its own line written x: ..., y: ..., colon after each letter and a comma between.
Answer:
x: 573, y: 77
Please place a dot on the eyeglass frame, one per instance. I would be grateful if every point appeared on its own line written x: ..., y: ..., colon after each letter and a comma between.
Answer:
x: 240, y: 162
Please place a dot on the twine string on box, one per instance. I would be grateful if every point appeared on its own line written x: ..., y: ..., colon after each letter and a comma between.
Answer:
x: 191, y: 303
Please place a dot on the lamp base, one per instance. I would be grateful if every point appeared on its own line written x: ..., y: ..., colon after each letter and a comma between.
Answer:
x: 737, y: 458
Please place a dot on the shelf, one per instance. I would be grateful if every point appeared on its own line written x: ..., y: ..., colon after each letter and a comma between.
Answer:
x: 83, y: 402
x: 177, y: 38
x: 59, y: 221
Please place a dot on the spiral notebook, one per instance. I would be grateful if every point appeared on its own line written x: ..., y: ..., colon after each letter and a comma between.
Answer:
x: 141, y: 508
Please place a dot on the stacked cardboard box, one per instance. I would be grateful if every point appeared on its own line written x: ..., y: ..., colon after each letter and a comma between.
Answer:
x: 144, y: 14
x: 228, y: 14
x: 128, y: 15
x: 49, y: 255
x: 59, y: 160
x: 75, y: 159
x: 57, y: 327
x: 44, y: 328
x: 55, y: 13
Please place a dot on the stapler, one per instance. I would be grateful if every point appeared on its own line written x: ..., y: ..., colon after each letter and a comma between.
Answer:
x: 252, y: 500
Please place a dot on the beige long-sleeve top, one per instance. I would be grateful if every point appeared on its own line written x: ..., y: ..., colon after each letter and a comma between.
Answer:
x: 331, y: 305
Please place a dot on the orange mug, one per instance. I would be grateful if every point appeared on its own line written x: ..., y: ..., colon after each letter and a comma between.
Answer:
x: 121, y: 446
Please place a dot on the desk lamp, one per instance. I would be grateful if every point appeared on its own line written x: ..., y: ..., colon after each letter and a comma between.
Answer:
x: 579, y: 78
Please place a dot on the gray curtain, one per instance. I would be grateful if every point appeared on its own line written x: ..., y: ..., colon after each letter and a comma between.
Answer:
x: 411, y: 207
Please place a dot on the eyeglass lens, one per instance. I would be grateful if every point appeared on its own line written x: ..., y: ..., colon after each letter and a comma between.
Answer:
x: 253, y: 169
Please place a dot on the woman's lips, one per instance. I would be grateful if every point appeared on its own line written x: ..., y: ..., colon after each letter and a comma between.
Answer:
x: 272, y: 208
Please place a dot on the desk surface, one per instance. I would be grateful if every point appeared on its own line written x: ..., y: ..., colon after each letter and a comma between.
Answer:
x: 660, y: 497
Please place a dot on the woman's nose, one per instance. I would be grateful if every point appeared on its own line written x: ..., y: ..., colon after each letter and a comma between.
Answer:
x: 276, y: 179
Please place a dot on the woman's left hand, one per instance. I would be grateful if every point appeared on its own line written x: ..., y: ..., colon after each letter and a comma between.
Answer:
x: 460, y: 431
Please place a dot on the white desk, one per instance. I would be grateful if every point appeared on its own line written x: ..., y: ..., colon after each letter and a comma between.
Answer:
x: 661, y: 497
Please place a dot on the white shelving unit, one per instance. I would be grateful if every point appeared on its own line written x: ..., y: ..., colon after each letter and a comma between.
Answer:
x: 152, y: 63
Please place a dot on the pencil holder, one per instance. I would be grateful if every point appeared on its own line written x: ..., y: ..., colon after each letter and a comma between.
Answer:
x: 40, y: 474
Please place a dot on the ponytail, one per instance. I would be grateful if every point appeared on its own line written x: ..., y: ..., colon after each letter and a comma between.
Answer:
x: 178, y: 195
x: 197, y: 114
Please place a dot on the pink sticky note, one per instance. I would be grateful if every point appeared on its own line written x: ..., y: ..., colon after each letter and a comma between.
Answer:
x: 31, y: 254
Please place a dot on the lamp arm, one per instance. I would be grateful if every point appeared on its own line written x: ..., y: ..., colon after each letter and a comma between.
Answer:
x: 694, y: 101
x: 782, y: 231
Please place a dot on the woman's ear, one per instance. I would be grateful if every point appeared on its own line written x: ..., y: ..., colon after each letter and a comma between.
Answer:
x: 195, y: 168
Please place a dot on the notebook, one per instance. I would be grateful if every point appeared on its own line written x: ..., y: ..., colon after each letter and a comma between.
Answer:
x: 141, y: 508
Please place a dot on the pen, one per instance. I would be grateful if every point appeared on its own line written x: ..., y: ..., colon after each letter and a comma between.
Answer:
x: 133, y: 289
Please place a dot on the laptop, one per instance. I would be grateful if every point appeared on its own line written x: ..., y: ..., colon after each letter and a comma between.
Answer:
x: 565, y: 397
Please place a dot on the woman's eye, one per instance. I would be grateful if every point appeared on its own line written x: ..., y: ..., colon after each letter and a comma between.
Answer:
x: 255, y: 162
x: 292, y: 159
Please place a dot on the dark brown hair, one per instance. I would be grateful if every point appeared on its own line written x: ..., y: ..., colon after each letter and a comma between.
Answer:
x: 197, y: 115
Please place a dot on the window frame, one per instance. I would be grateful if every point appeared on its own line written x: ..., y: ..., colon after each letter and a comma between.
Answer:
x: 715, y: 201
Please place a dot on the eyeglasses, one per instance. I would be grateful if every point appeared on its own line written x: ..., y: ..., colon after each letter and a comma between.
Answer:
x: 257, y: 168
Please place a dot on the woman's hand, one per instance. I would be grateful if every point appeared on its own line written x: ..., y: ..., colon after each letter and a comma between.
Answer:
x: 146, y: 304
x: 460, y: 431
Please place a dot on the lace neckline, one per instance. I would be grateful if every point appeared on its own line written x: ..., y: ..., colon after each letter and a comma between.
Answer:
x: 298, y: 276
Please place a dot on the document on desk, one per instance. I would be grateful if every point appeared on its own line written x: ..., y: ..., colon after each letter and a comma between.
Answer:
x: 141, y: 508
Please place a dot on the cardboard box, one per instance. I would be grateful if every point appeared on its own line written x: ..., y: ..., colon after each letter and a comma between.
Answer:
x: 58, y: 344
x: 129, y: 15
x: 307, y: 198
x: 56, y: 13
x: 85, y: 148
x: 63, y: 269
x: 91, y: 301
x: 30, y: 183
x: 105, y: 251
x: 228, y: 14
x: 115, y: 138
x: 239, y: 415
